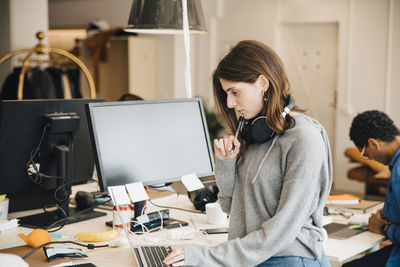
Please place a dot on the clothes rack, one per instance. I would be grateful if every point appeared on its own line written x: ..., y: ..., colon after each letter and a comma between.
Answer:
x: 41, y: 49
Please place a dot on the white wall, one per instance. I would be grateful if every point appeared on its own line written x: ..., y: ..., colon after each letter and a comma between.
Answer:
x: 20, y: 20
x: 367, y: 78
x: 26, y: 18
x: 394, y: 68
x: 362, y: 54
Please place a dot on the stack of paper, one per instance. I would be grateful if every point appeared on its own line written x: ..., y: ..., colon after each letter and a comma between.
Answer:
x: 364, y: 206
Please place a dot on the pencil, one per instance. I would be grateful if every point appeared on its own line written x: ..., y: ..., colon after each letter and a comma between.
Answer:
x: 241, y: 120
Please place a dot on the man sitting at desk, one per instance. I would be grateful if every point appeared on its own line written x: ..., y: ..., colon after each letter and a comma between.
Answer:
x: 376, y: 136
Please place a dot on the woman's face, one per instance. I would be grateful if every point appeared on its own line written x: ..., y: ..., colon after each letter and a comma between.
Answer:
x: 246, y: 98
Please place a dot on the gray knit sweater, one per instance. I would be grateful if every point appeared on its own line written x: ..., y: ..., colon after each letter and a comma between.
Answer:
x: 275, y: 199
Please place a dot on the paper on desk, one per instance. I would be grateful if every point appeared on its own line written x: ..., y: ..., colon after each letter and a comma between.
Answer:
x: 8, y: 224
x: 191, y: 182
x: 13, y: 244
x: 359, y: 219
x: 136, y: 192
x: 199, y: 221
x: 326, y: 220
x: 119, y: 195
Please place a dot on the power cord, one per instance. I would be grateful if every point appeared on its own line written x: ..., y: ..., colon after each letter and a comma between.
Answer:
x: 58, y: 221
x: 61, y: 193
x: 159, y: 186
x: 34, y: 174
x: 89, y: 246
x: 63, y: 220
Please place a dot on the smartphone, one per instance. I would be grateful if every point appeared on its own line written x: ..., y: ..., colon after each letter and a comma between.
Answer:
x: 211, y: 231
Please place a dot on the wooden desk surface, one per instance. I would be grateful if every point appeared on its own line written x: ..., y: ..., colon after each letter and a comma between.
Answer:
x: 107, y: 257
x: 336, y: 250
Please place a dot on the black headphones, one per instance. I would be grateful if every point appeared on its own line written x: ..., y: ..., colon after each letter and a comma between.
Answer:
x: 201, y: 197
x: 257, y: 131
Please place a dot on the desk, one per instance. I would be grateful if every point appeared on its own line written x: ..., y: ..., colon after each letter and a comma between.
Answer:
x: 105, y: 257
x: 336, y: 250
x: 339, y: 251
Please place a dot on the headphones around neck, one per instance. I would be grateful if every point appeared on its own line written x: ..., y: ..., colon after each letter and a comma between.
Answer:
x: 257, y: 131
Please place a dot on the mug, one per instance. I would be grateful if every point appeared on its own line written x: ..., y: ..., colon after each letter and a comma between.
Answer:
x: 215, y: 215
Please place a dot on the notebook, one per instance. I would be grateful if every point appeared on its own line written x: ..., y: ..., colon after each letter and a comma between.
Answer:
x: 341, y: 231
x: 364, y: 206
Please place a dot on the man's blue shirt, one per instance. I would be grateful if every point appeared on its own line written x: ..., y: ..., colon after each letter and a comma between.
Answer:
x: 391, y: 209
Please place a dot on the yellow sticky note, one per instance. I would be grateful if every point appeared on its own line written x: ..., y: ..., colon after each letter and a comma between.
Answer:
x: 2, y: 197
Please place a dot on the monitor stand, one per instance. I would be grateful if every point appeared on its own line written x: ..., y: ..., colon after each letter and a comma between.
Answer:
x: 43, y: 220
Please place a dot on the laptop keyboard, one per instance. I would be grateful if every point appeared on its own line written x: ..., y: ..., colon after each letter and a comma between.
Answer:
x: 152, y: 256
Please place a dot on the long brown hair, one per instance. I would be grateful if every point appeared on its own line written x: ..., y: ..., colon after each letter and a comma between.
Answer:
x: 245, y: 62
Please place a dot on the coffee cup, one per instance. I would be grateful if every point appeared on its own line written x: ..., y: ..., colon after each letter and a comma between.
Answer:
x: 215, y: 215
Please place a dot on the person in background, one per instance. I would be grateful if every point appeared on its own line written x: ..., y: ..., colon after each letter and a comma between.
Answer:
x: 377, y: 138
x: 129, y: 97
x: 274, y: 186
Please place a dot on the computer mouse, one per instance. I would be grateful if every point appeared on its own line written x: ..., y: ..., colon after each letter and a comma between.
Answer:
x: 84, y: 200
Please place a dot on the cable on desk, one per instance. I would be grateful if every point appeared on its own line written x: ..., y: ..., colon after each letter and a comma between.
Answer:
x: 175, y: 208
x: 160, y: 186
x: 63, y: 220
x: 89, y: 246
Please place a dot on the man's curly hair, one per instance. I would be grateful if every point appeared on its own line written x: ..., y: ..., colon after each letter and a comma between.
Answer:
x: 372, y: 124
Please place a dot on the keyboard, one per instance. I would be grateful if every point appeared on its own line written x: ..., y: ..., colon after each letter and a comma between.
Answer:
x: 151, y: 256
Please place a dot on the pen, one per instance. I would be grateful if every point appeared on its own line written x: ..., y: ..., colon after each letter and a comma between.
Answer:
x: 241, y: 120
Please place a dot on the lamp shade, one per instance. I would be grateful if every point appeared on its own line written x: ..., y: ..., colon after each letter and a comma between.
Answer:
x: 165, y: 17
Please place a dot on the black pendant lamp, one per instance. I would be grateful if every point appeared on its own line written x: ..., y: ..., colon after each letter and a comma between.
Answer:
x: 165, y: 17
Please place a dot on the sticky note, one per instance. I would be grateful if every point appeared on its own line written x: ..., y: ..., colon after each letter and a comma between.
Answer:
x: 119, y: 195
x: 191, y: 182
x: 136, y: 192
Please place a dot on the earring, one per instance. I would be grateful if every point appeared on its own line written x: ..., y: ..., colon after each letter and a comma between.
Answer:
x: 265, y: 96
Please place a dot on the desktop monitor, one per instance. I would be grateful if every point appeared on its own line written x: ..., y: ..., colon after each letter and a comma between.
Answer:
x: 21, y: 129
x: 149, y: 141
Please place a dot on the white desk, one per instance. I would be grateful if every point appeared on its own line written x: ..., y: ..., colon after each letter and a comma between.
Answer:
x: 341, y: 250
x: 336, y: 250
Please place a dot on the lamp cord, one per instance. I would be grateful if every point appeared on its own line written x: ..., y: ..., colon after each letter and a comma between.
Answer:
x: 186, y: 38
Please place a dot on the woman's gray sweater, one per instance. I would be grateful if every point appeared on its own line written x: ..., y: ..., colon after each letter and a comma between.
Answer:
x: 275, y: 199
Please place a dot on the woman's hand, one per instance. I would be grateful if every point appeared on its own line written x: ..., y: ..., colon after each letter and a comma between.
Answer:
x: 226, y: 148
x: 175, y: 258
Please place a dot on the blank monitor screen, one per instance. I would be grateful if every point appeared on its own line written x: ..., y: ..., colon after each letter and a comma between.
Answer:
x: 150, y: 141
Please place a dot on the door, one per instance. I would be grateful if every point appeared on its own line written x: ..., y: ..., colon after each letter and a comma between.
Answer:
x: 309, y: 52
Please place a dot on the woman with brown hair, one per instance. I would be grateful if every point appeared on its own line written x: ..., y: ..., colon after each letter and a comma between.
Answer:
x: 274, y: 178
